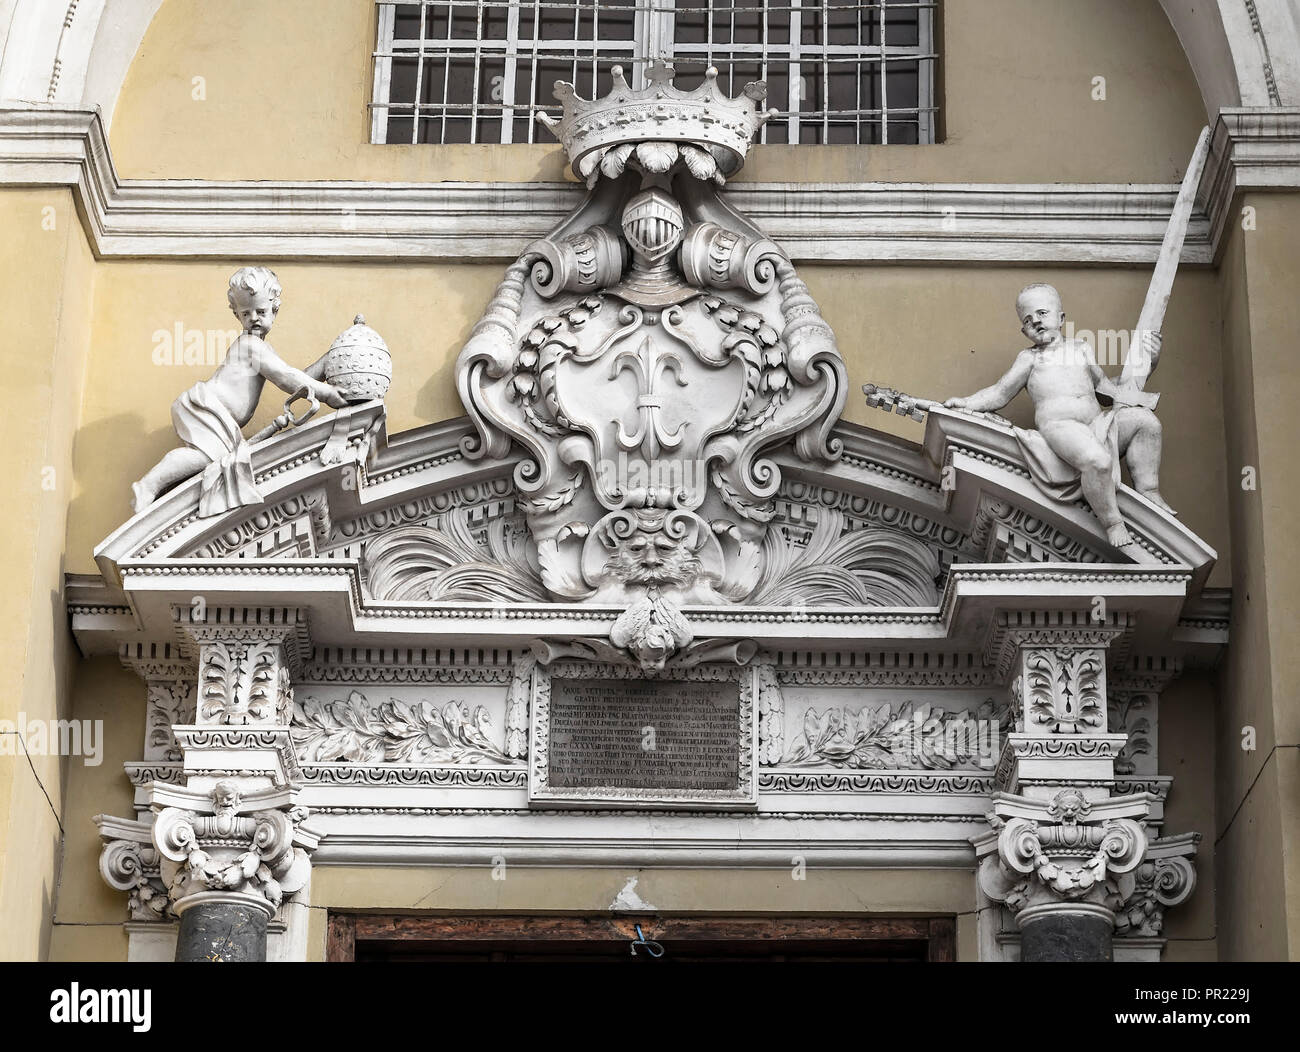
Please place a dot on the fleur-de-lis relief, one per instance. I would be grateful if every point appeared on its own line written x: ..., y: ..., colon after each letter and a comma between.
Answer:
x: 648, y: 365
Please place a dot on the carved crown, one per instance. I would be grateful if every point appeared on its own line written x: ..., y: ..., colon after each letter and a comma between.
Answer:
x: 705, y: 118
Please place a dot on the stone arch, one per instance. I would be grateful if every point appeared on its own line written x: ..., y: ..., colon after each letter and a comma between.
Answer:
x: 73, y: 53
x: 1244, y: 53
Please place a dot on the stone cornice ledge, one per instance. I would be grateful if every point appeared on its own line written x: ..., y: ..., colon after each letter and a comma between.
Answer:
x: 1252, y: 150
x: 859, y: 222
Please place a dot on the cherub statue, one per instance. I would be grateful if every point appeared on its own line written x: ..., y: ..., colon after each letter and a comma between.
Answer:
x: 209, y: 417
x: 1078, y: 444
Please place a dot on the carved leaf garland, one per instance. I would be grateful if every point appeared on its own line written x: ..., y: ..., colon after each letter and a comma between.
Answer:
x: 907, y: 738
x: 393, y: 732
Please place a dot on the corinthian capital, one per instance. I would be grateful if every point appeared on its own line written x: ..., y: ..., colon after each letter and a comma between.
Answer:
x: 1066, y: 850
x: 254, y: 849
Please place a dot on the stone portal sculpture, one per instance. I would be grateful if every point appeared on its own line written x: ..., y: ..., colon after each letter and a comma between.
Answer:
x: 209, y: 417
x: 1078, y: 445
x: 645, y: 355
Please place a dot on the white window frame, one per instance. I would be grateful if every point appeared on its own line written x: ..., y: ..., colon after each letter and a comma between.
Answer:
x: 654, y: 40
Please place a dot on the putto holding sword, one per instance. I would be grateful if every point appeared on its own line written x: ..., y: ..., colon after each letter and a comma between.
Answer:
x: 1078, y: 443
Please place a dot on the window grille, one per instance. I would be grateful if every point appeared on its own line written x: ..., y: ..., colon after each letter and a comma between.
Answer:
x: 475, y: 71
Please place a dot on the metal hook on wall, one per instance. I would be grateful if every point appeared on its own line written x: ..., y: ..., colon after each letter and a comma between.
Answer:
x: 653, y: 948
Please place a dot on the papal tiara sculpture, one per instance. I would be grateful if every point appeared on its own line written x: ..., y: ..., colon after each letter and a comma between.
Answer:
x: 646, y: 358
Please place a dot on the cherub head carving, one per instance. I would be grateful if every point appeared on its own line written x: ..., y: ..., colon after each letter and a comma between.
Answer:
x: 254, y: 296
x: 1040, y: 312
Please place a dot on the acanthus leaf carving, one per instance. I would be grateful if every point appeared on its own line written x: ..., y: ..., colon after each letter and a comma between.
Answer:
x: 1063, y: 689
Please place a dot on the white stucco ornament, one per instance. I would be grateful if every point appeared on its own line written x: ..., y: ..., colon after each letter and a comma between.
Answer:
x: 659, y: 127
x: 647, y: 355
x: 1086, y: 424
x: 209, y: 418
x: 358, y: 363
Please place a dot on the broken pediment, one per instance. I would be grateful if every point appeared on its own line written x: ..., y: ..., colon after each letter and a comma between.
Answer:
x: 654, y: 433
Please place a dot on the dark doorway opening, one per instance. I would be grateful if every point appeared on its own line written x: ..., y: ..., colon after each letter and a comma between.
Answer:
x: 609, y: 939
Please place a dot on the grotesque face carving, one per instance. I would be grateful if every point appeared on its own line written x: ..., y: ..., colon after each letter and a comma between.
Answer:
x: 652, y: 224
x: 652, y: 558
x: 225, y: 796
x: 650, y: 548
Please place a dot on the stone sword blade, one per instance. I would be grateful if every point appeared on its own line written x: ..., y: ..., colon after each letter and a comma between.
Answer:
x: 1139, y: 364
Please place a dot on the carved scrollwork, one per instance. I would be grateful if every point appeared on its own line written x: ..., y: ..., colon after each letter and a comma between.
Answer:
x: 580, y: 262
x: 714, y: 257
x: 1166, y: 877
x: 129, y: 865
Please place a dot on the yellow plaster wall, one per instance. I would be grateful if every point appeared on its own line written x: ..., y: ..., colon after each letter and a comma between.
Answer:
x: 285, y: 90
x: 88, y: 914
x: 46, y: 279
x: 1259, y: 831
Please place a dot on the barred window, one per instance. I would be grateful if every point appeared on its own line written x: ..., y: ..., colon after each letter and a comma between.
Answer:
x: 475, y: 71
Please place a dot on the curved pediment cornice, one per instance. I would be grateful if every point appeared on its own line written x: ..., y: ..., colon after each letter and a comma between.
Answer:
x: 1001, y: 545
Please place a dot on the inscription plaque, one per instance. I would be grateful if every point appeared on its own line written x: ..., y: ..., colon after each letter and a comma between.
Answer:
x: 644, y: 734
x: 607, y: 739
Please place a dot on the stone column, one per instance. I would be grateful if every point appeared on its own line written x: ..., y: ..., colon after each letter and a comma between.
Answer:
x: 228, y: 866
x: 1059, y: 866
x: 227, y: 845
x: 1064, y: 853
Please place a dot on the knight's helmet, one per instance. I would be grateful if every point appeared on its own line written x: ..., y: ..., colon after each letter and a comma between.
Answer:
x: 652, y: 224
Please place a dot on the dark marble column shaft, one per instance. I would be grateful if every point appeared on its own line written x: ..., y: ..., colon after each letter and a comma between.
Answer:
x: 222, y: 931
x: 1066, y: 936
